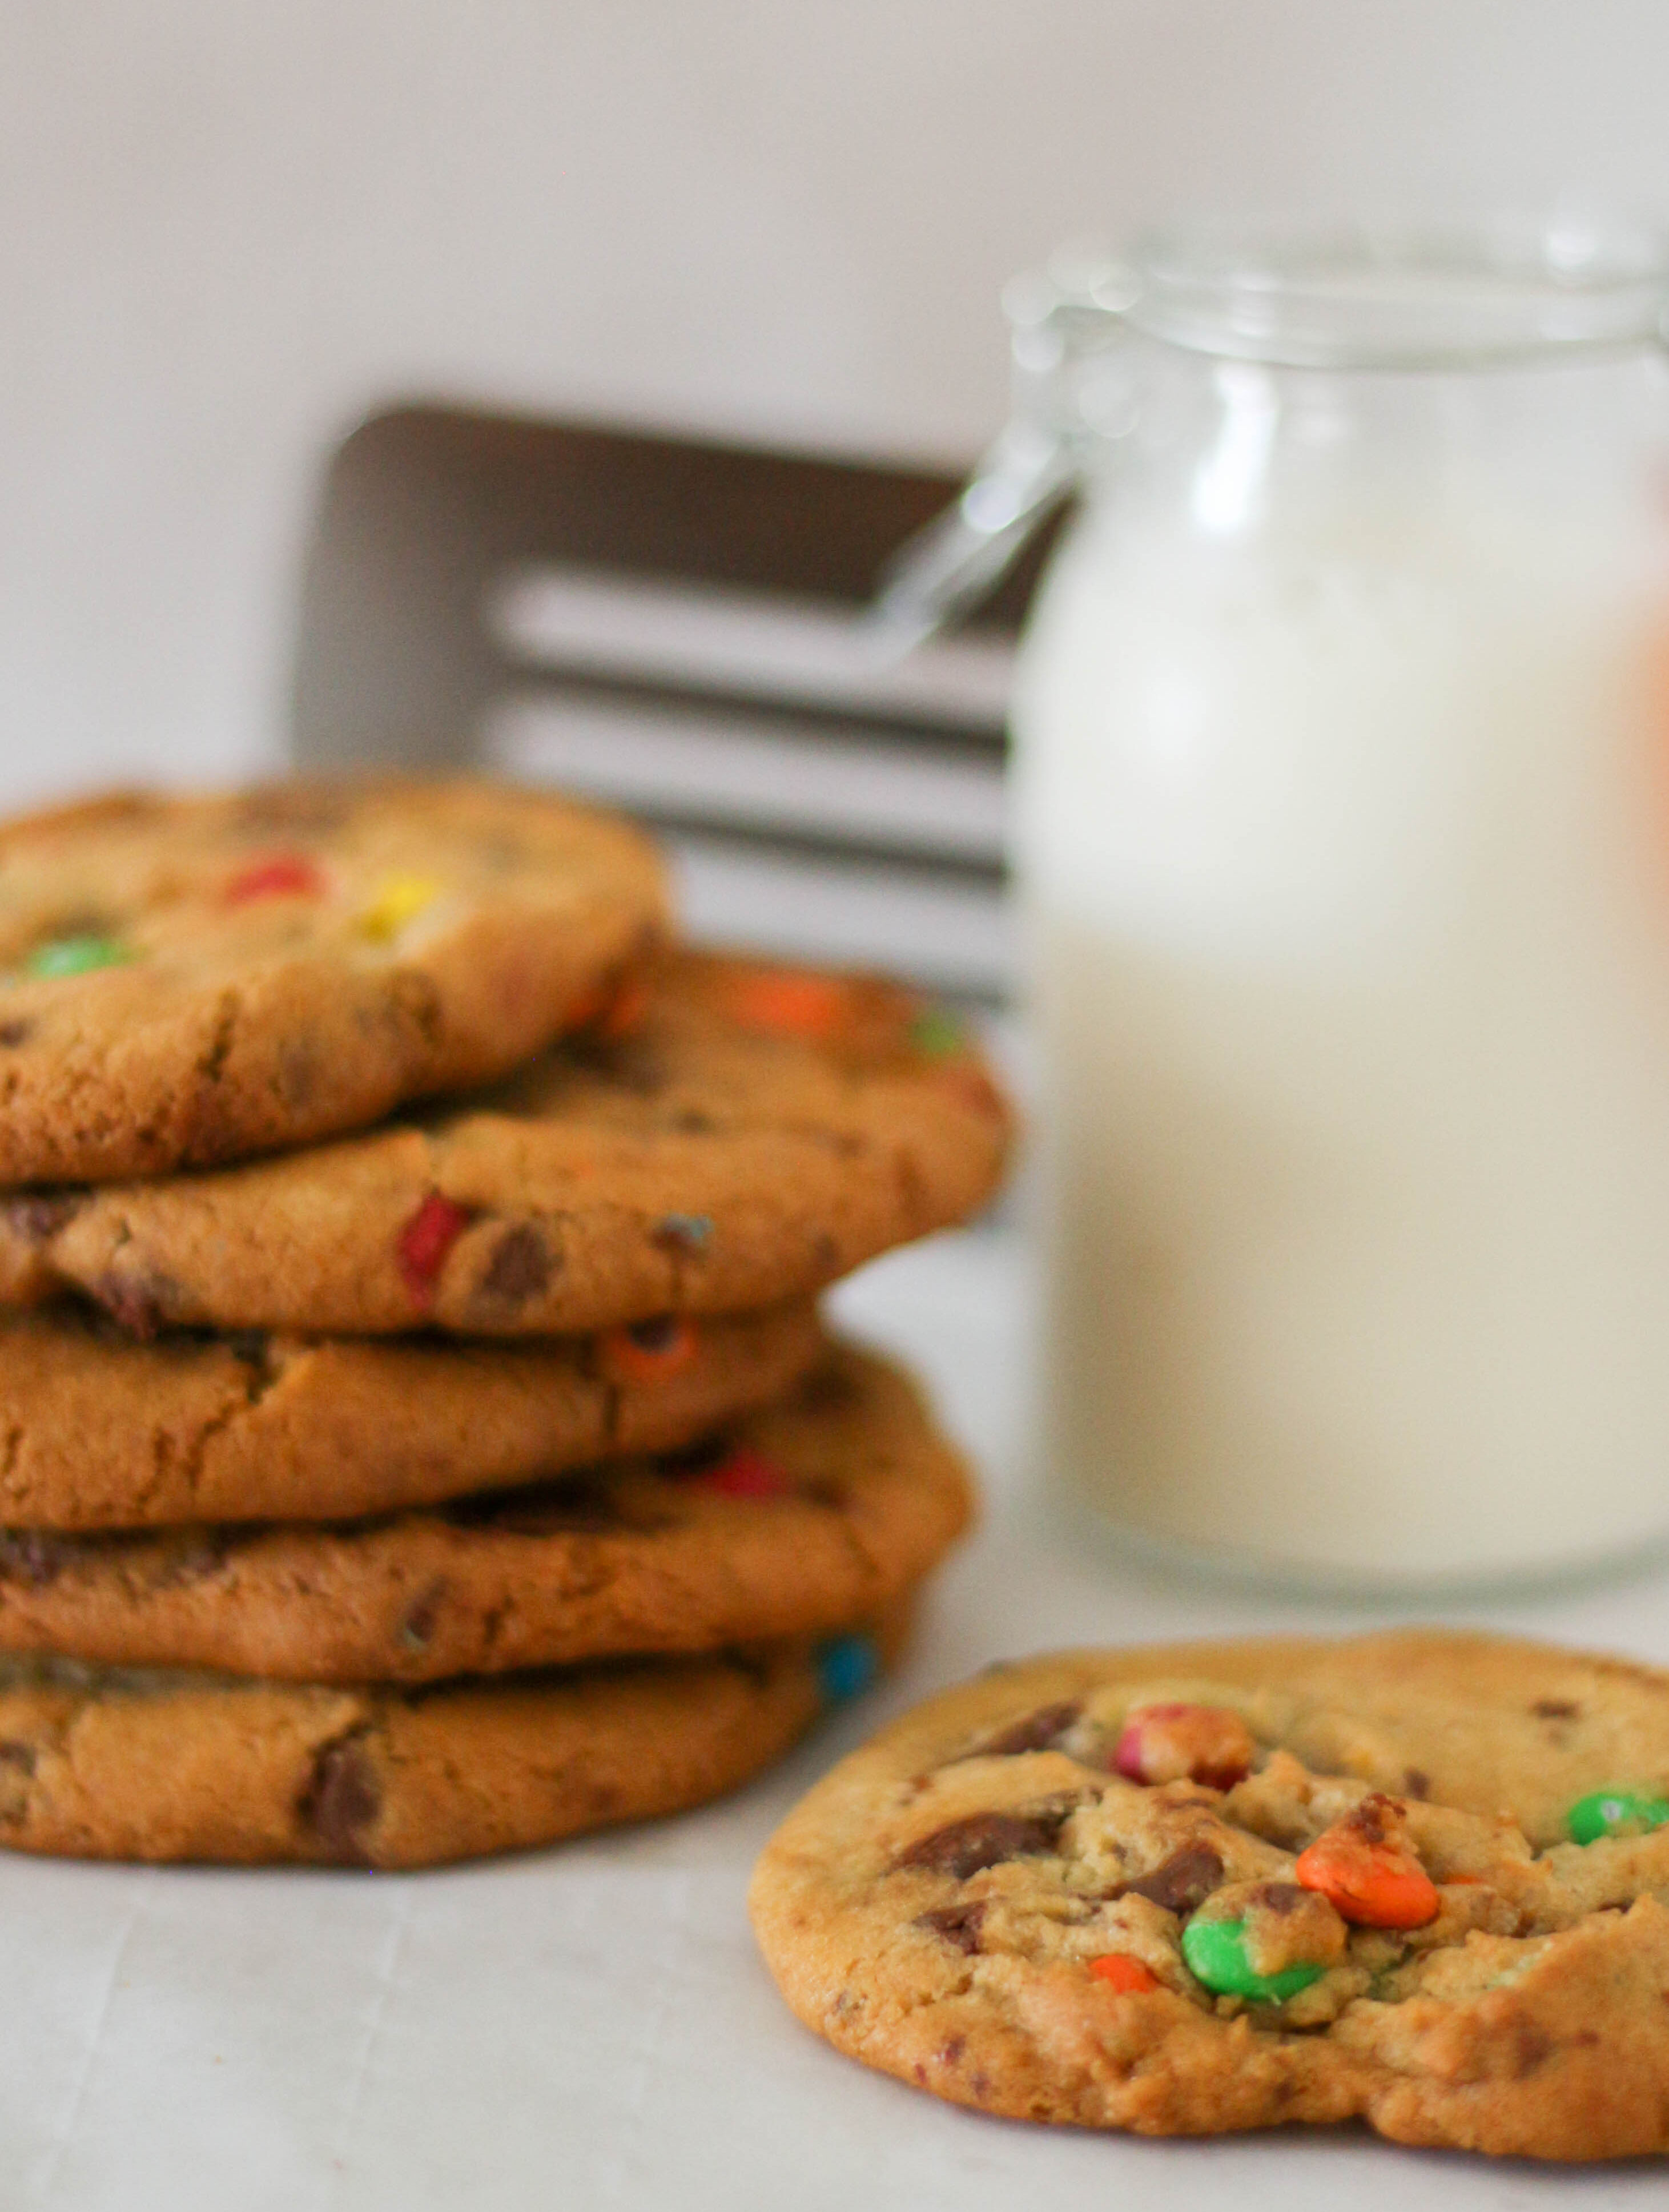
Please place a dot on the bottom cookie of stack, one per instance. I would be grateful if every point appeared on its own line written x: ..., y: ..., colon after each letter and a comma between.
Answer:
x: 176, y: 1765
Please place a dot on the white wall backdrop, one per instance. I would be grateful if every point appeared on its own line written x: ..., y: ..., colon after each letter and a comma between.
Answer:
x: 228, y: 227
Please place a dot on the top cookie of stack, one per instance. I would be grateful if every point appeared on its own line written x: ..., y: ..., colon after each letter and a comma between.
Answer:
x: 193, y: 981
x: 724, y: 1135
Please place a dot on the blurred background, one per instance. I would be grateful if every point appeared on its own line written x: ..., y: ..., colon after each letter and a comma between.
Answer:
x: 230, y: 232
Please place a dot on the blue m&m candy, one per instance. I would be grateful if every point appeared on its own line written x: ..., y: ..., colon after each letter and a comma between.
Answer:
x: 846, y: 1666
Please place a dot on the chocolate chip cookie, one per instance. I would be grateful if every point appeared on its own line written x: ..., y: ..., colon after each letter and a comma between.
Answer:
x: 102, y: 1763
x: 793, y: 1520
x: 189, y: 981
x: 742, y: 1135
x: 101, y: 1432
x: 1417, y: 1878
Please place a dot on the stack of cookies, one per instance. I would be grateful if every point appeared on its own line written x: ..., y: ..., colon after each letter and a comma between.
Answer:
x: 416, y: 1434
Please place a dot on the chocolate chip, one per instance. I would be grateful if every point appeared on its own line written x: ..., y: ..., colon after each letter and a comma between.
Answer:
x: 137, y: 1303
x: 1417, y: 1782
x: 16, y: 1031
x: 417, y: 1628
x: 1555, y: 1709
x: 341, y: 1798
x: 984, y: 1839
x: 1182, y: 1884
x: 1283, y: 1898
x: 32, y: 1557
x: 630, y: 1064
x: 520, y: 1268
x: 1375, y: 1818
x: 298, y: 1070
x: 959, y: 1924
x: 827, y: 1390
x: 657, y: 1334
x: 41, y: 1215
x: 290, y: 806
x: 576, y: 1504
x: 22, y: 1756
x: 194, y: 1558
x: 683, y: 1233
x: 1532, y: 2046
x: 691, y: 1121
x: 1039, y: 1731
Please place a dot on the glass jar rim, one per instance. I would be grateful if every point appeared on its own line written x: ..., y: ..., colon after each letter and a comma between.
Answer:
x: 1404, y: 295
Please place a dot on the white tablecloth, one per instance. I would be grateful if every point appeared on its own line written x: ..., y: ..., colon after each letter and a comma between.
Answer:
x: 591, y: 2026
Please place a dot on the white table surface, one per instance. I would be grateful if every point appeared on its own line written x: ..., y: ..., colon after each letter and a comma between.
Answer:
x: 591, y: 2026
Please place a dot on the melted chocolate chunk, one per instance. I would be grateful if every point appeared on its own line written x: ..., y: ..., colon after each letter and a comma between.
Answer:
x: 682, y: 1233
x: 630, y: 1063
x: 959, y: 1925
x: 984, y: 1839
x: 1283, y: 1898
x: 520, y: 1267
x: 22, y: 1756
x: 573, y: 1504
x: 1417, y: 1782
x: 1039, y: 1731
x: 659, y: 1333
x: 1183, y: 1883
x: 33, y: 1557
x: 1555, y: 1709
x: 37, y: 1216
x: 827, y: 1390
x: 137, y: 1303
x: 341, y: 1798
x: 194, y: 1558
x: 417, y: 1628
x: 16, y: 1031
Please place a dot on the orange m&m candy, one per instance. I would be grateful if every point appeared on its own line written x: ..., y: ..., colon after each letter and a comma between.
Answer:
x: 1128, y: 1976
x: 787, y: 1002
x: 1367, y: 1872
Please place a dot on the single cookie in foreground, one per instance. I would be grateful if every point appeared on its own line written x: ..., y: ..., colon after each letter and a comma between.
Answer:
x: 105, y: 1432
x: 188, y: 980
x: 756, y: 1132
x: 1416, y: 1878
x: 100, y: 1762
x: 800, y: 1517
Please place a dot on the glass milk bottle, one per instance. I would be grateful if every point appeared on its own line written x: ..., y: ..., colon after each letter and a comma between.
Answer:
x: 1343, y: 834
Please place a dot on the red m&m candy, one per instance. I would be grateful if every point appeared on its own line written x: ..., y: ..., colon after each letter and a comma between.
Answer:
x: 282, y: 875
x: 424, y: 1242
x: 1185, y: 1743
x: 744, y: 1472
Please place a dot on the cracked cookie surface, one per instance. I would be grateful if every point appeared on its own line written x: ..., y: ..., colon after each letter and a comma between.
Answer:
x: 106, y: 1763
x: 189, y: 980
x: 795, y: 1519
x: 1027, y: 1896
x: 754, y: 1133
x: 100, y: 1431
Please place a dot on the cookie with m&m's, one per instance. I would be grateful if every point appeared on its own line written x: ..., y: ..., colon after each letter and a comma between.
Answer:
x: 738, y: 1135
x: 1420, y: 1879
x: 105, y: 1432
x: 792, y: 1521
x: 187, y: 980
x: 169, y: 1764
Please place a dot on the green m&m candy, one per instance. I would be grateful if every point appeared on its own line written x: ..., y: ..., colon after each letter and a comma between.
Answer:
x: 1615, y: 1813
x: 75, y: 956
x: 937, y: 1035
x: 1215, y: 1951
